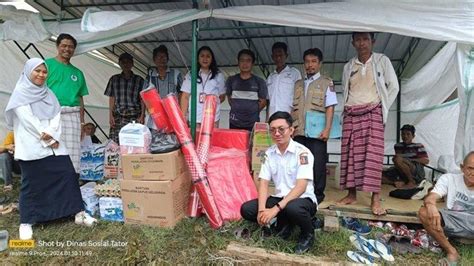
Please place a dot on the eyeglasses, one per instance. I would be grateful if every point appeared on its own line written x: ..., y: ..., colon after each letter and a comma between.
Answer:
x: 280, y: 130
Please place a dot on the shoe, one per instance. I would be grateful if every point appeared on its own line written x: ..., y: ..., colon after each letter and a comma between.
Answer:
x: 83, y: 218
x: 26, y: 231
x: 305, y: 242
x: 318, y: 224
x: 426, y: 185
x: 354, y: 225
x: 285, y: 232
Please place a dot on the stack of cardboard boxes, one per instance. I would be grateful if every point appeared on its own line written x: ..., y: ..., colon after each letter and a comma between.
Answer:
x: 261, y: 141
x: 155, y: 188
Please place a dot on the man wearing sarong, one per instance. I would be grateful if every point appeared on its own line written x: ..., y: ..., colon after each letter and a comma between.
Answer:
x: 125, y: 104
x: 69, y: 85
x: 370, y: 87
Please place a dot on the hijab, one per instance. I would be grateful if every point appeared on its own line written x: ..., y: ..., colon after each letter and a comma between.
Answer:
x: 43, y: 102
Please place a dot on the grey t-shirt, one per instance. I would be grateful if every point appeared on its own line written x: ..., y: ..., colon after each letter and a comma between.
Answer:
x: 245, y: 93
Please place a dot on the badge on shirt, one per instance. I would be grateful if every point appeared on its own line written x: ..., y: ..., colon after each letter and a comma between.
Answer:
x: 202, y: 97
x: 304, y: 158
x: 73, y: 77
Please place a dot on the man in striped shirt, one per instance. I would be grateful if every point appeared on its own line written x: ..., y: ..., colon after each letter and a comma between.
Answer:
x: 409, y: 159
x: 125, y: 104
x: 246, y: 92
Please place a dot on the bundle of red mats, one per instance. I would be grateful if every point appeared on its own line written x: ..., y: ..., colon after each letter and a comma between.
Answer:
x: 167, y: 115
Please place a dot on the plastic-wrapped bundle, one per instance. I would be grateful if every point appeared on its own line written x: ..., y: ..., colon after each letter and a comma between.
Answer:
x: 134, y: 138
x: 207, y: 127
x: 204, y: 141
x: 198, y: 173
x: 151, y: 99
x: 230, y: 180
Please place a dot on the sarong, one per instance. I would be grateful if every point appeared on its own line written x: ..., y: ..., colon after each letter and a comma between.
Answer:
x: 71, y: 133
x: 362, y: 148
x: 121, y: 120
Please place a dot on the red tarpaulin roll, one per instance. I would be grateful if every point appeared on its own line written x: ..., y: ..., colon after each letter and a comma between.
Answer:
x: 204, y: 140
x: 198, y: 174
x: 151, y: 99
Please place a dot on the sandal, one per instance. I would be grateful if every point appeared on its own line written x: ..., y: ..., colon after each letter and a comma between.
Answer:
x: 358, y: 257
x: 383, y: 250
x: 7, y: 209
x: 363, y: 245
x: 446, y: 262
x: 242, y: 233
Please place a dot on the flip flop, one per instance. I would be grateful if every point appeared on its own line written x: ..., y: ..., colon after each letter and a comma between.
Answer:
x: 363, y: 245
x: 359, y: 257
x: 446, y: 262
x: 383, y: 250
x: 7, y: 209
x: 3, y: 240
x: 242, y: 233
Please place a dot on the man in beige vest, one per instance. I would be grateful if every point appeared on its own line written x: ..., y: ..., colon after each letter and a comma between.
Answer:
x: 314, y: 94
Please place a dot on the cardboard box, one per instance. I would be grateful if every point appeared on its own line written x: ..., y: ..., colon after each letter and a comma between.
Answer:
x: 163, y: 166
x: 261, y: 135
x: 258, y: 156
x: 157, y: 203
x: 111, y: 209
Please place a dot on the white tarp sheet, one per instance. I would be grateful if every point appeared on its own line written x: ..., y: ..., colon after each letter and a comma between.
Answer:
x: 96, y: 71
x: 452, y: 68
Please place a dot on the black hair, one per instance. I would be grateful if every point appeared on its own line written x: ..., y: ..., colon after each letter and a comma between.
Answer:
x: 212, y: 67
x: 65, y: 36
x: 281, y: 115
x: 247, y: 52
x: 408, y: 127
x: 280, y: 45
x: 160, y: 49
x: 314, y: 51
x: 372, y: 35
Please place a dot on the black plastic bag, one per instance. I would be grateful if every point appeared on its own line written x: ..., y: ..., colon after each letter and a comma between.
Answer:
x: 162, y: 142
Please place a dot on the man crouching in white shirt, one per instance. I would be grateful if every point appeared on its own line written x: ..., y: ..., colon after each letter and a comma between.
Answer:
x: 457, y: 220
x: 290, y: 166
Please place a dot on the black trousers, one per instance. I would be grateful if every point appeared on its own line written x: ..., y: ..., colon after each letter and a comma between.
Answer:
x: 231, y: 126
x: 297, y: 212
x: 319, y: 149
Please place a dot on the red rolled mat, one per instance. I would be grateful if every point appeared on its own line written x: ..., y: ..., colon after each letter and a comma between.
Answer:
x: 204, y: 141
x: 198, y: 174
x: 151, y: 99
x: 207, y: 126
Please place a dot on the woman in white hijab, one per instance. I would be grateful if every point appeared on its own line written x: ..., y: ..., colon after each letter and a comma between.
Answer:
x: 49, y: 185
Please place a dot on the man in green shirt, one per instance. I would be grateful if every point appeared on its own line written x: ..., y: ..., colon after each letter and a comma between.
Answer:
x: 69, y: 85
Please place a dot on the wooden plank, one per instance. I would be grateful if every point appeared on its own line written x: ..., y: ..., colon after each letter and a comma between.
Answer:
x: 259, y: 256
x: 331, y: 223
x: 369, y: 216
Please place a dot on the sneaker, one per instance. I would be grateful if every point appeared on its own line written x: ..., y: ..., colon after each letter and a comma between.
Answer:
x: 318, y: 224
x: 354, y: 225
x: 83, y: 218
x: 305, y: 242
x: 26, y: 231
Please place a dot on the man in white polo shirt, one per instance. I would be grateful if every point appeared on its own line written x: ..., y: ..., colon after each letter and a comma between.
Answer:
x: 290, y: 166
x: 281, y: 82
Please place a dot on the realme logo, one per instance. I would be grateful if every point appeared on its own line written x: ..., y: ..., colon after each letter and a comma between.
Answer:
x: 21, y: 243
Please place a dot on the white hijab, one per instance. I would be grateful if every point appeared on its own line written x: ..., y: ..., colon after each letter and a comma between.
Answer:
x: 43, y: 102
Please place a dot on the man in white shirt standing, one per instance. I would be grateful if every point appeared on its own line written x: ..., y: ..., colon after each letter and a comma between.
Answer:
x: 289, y: 165
x: 281, y: 82
x: 314, y: 94
x: 457, y: 219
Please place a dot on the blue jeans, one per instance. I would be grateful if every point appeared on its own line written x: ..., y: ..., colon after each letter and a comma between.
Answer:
x: 7, y: 165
